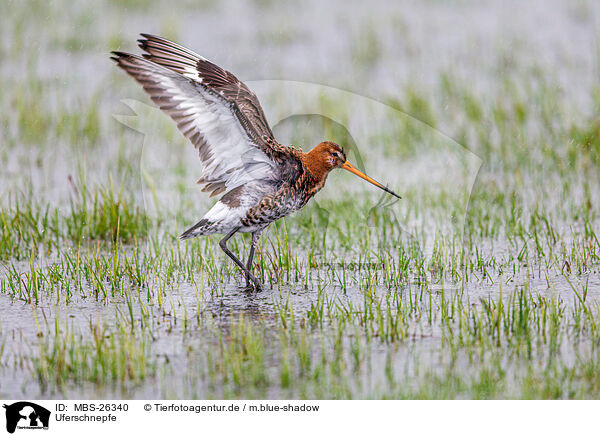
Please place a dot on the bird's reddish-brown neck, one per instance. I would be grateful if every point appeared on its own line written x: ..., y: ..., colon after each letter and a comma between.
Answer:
x: 315, y: 163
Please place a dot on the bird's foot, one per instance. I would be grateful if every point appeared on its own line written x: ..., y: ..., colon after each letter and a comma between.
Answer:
x: 253, y: 284
x: 256, y: 287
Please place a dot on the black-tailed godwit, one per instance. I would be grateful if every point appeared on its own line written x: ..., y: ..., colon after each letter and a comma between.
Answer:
x: 262, y: 180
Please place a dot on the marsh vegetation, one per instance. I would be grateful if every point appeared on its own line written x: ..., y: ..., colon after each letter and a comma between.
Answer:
x: 483, y: 282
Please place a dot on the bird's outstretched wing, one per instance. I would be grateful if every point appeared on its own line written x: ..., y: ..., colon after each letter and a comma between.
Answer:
x: 212, y: 108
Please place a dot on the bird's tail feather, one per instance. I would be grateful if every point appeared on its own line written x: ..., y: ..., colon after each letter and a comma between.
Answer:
x: 202, y: 227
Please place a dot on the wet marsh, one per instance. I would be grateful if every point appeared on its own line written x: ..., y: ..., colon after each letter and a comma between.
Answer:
x: 482, y: 282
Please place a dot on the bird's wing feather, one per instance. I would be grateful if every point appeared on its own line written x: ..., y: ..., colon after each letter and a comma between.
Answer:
x: 234, y: 147
x: 215, y: 79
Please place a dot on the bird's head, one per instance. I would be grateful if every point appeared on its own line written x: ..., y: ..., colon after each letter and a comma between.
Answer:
x: 328, y: 155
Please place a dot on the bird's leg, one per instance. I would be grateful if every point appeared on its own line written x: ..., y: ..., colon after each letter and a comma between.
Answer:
x: 255, y: 236
x: 223, y: 245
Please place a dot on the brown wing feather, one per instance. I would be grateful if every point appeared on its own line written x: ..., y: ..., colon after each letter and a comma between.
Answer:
x: 229, y: 158
x: 221, y: 83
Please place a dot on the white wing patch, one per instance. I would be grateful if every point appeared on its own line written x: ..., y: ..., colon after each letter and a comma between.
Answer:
x: 228, y: 157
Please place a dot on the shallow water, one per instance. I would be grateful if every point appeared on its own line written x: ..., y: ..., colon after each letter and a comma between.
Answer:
x: 304, y: 61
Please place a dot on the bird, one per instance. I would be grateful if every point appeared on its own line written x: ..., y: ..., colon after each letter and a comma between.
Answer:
x: 261, y: 180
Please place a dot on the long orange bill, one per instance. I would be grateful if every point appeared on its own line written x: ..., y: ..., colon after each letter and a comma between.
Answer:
x: 348, y: 167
